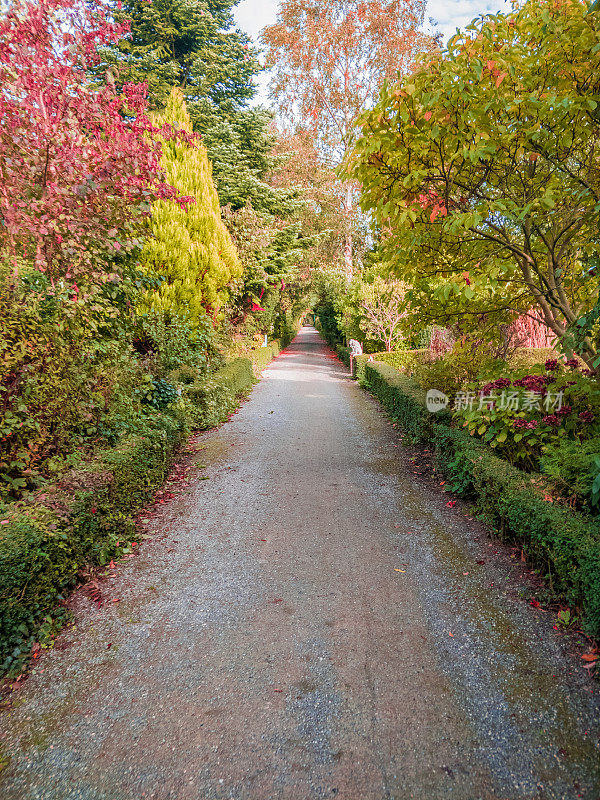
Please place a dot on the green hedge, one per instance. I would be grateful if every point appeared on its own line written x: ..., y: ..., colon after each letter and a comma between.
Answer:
x: 213, y: 398
x: 88, y: 517
x: 402, y: 360
x: 403, y: 400
x: 343, y: 353
x: 564, y: 544
x: 262, y: 356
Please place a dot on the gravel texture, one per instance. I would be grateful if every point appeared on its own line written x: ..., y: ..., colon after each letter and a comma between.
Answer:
x: 310, y: 621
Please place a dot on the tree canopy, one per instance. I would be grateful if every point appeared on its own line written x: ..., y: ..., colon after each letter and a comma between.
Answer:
x: 189, y: 44
x: 482, y: 169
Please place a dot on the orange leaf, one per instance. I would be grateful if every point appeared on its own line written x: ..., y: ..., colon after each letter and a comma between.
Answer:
x: 590, y: 656
x: 500, y: 78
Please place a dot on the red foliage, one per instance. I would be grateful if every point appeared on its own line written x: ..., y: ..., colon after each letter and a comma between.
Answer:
x: 78, y: 167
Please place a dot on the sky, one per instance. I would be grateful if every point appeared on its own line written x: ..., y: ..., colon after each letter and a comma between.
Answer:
x: 252, y: 15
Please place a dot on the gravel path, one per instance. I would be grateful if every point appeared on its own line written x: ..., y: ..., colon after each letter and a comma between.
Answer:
x: 310, y: 622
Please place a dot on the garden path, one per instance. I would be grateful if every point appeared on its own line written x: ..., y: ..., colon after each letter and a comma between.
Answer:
x: 312, y: 621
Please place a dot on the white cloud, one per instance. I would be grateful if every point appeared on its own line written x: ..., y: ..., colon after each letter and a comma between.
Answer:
x: 453, y: 14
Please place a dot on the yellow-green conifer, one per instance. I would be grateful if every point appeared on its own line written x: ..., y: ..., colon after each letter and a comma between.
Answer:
x: 191, y: 248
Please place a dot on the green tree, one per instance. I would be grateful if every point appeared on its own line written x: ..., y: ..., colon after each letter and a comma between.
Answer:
x: 190, y: 247
x: 482, y: 170
x: 189, y: 44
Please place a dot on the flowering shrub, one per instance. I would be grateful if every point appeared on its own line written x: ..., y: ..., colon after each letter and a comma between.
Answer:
x: 519, y: 416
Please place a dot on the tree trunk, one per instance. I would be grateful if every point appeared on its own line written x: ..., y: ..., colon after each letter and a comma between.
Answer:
x: 348, y: 238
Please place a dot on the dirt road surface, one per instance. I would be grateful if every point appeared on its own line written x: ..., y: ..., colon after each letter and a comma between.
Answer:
x: 309, y: 622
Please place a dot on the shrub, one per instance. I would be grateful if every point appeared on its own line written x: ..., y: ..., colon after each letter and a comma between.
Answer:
x: 184, y: 375
x: 162, y: 394
x: 86, y: 518
x: 522, y: 413
x: 403, y: 360
x: 575, y: 469
x: 214, y: 398
x: 402, y: 399
x: 343, y: 353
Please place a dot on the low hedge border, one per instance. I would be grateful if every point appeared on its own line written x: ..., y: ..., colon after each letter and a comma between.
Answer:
x: 88, y: 516
x: 402, y: 360
x: 563, y: 544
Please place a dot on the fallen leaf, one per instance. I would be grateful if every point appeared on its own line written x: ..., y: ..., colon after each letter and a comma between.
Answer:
x: 450, y: 634
x: 451, y: 504
x: 590, y: 656
x: 534, y: 603
x: 399, y: 570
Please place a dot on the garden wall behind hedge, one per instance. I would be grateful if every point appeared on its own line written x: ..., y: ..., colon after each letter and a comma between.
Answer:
x: 563, y: 544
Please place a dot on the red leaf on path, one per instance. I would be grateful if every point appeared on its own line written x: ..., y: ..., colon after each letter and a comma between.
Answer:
x: 451, y: 504
x: 262, y: 540
x: 111, y: 564
x: 277, y: 600
x: 534, y: 603
x: 116, y: 600
x: 109, y: 645
x: 590, y: 656
x: 481, y: 561
x: 278, y: 690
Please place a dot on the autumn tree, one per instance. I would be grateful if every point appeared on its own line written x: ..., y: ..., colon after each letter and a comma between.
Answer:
x: 482, y: 168
x: 329, y: 60
x: 383, y: 306
x: 77, y: 165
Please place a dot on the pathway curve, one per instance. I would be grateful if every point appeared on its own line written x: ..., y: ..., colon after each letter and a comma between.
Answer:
x: 308, y: 623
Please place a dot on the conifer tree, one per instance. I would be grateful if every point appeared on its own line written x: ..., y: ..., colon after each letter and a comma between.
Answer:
x: 190, y: 44
x: 190, y: 247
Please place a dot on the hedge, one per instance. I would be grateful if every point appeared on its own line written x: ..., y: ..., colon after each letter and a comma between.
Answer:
x: 563, y: 544
x: 403, y: 360
x: 88, y: 517
x: 343, y: 353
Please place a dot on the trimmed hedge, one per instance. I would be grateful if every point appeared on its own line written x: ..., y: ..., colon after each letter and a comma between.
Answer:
x: 563, y: 544
x: 263, y: 356
x: 402, y: 360
x: 213, y: 398
x: 343, y: 353
x: 88, y: 516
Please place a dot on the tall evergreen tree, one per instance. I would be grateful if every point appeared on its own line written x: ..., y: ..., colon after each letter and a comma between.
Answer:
x: 190, y: 248
x: 190, y: 44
